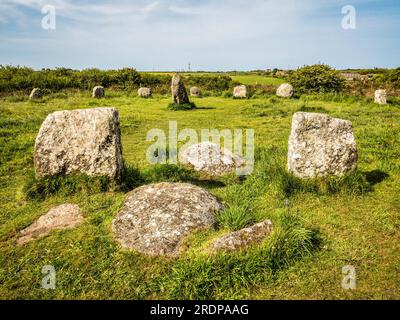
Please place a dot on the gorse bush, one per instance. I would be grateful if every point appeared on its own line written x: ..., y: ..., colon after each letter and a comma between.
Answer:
x: 317, y: 78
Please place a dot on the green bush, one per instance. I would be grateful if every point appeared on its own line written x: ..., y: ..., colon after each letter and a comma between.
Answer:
x: 317, y: 78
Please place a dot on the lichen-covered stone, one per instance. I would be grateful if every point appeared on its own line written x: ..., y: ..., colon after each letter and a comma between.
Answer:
x: 144, y: 92
x: 285, y: 90
x: 240, y: 92
x: 80, y: 141
x: 381, y: 97
x: 320, y: 145
x: 156, y: 217
x: 244, y: 238
x: 36, y: 93
x: 65, y: 216
x: 178, y: 90
x: 98, y: 92
x: 209, y: 158
x: 195, y: 92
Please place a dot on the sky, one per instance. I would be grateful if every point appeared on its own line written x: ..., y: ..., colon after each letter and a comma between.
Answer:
x: 211, y: 35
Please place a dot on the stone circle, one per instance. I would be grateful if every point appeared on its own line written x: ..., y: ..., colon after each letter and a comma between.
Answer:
x: 240, y: 91
x: 285, y: 90
x: 98, y: 92
x: 381, y: 97
x: 36, y: 93
x: 144, y: 92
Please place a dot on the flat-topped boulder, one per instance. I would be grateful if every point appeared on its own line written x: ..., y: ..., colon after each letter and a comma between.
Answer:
x: 285, y: 90
x: 210, y: 159
x: 84, y: 141
x: 320, y: 145
x: 36, y: 93
x: 178, y: 90
x: 155, y: 218
x: 144, y: 92
x: 381, y: 97
x: 65, y: 216
x: 244, y: 238
x: 240, y: 91
x: 98, y: 92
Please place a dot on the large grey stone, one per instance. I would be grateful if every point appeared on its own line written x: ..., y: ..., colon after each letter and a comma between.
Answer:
x: 178, y: 90
x: 80, y: 141
x: 98, y: 92
x: 381, y: 97
x: 209, y: 158
x: 244, y: 238
x: 285, y: 90
x: 65, y: 216
x: 240, y: 91
x: 156, y: 217
x: 36, y: 93
x: 320, y: 145
x: 144, y: 92
x: 195, y: 92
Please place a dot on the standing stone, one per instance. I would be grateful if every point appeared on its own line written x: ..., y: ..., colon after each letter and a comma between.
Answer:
x: 195, y: 92
x: 36, y: 93
x: 65, y: 216
x: 244, y: 238
x: 285, y: 90
x: 98, y: 92
x: 240, y: 92
x: 211, y: 159
x: 155, y: 218
x: 179, y: 93
x: 84, y: 141
x: 381, y: 97
x: 320, y: 145
x: 144, y: 92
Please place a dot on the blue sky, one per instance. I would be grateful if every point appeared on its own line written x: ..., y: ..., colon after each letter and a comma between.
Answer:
x: 210, y: 34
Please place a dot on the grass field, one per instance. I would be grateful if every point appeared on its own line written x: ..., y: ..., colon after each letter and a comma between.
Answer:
x: 353, y: 222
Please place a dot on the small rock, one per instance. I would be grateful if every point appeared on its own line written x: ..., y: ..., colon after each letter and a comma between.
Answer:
x: 36, y: 93
x: 381, y: 97
x: 65, y: 216
x: 156, y: 217
x: 98, y: 92
x: 209, y: 158
x: 80, y: 141
x: 244, y: 238
x: 320, y: 145
x: 179, y: 93
x: 285, y: 90
x: 195, y: 92
x: 144, y: 92
x: 240, y: 92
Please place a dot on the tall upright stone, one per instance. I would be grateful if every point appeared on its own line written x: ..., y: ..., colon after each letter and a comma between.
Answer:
x: 320, y: 145
x: 381, y: 97
x: 84, y: 141
x: 178, y: 90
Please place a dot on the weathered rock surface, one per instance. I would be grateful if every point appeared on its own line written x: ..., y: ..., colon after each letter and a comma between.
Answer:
x: 285, y: 90
x: 381, y: 97
x: 240, y: 92
x: 36, y: 93
x: 80, y: 141
x: 179, y: 93
x: 156, y: 217
x: 195, y: 92
x: 244, y: 238
x: 98, y: 92
x: 320, y: 145
x: 209, y: 158
x: 65, y: 216
x: 144, y: 92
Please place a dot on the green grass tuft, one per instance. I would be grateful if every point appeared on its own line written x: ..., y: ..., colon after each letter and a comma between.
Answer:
x: 182, y: 107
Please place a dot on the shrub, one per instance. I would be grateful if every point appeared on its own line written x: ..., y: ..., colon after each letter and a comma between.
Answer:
x: 317, y: 78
